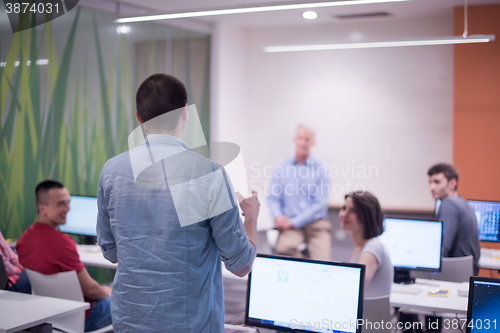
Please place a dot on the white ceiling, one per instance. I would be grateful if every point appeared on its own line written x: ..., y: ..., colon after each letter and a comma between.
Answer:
x: 398, y: 10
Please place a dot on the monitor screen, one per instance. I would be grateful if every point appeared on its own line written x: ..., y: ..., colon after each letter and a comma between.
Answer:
x: 488, y: 219
x: 414, y: 244
x: 82, y: 217
x: 483, y: 312
x: 290, y: 294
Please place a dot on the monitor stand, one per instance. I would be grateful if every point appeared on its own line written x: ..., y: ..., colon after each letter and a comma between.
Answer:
x: 87, y: 240
x: 402, y: 276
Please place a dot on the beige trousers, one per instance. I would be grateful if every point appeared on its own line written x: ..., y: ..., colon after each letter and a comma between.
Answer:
x: 317, y: 236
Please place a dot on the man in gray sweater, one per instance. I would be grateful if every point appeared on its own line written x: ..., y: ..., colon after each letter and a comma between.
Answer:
x: 460, y: 236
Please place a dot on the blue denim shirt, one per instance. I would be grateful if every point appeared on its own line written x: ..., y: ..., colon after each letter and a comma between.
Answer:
x: 168, y: 277
x: 299, y: 191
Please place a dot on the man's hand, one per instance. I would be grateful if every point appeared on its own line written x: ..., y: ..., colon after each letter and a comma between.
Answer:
x: 249, y: 206
x: 283, y: 223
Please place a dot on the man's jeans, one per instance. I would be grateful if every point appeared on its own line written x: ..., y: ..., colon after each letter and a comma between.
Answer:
x: 100, y: 315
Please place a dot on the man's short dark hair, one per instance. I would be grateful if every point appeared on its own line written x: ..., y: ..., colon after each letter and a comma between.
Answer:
x: 369, y: 213
x: 448, y: 170
x: 43, y: 188
x: 159, y: 94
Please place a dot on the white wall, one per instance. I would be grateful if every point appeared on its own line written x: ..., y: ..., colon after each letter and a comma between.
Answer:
x: 385, y: 110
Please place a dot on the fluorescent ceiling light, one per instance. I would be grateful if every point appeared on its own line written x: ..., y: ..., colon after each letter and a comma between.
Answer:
x: 365, y: 45
x: 309, y: 15
x: 301, y: 5
x: 123, y: 29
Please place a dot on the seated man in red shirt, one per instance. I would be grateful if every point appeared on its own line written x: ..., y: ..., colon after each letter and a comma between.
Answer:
x: 43, y: 248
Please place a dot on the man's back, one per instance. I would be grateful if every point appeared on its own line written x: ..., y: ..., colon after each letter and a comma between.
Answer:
x: 168, y: 277
x: 460, y: 229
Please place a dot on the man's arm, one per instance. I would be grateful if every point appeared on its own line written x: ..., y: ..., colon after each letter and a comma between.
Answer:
x: 250, y: 207
x: 105, y: 237
x: 90, y: 288
x: 448, y: 213
x: 236, y: 248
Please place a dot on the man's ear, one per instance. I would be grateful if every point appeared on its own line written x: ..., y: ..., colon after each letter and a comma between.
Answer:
x: 453, y: 184
x: 39, y: 208
x: 185, y: 113
x: 138, y: 116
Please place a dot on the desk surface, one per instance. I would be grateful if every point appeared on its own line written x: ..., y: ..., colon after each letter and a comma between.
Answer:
x: 20, y: 311
x: 91, y: 255
x: 490, y: 259
x: 422, y: 301
x: 453, y: 303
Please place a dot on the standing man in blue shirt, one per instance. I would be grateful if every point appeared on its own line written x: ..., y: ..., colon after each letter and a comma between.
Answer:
x: 168, y: 216
x: 298, y: 200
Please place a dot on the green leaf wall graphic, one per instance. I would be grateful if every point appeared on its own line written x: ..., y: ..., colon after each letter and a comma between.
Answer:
x: 65, y: 119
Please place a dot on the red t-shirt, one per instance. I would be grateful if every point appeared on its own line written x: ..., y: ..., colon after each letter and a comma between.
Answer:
x: 48, y: 251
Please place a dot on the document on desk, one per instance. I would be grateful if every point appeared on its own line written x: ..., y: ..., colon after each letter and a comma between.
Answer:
x: 439, y: 292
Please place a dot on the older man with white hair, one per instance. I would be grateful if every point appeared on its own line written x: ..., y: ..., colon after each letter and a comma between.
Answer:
x: 298, y: 201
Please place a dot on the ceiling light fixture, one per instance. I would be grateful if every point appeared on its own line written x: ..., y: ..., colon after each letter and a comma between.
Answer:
x: 298, y: 5
x: 309, y: 15
x: 464, y: 39
x: 123, y: 29
x: 366, y: 45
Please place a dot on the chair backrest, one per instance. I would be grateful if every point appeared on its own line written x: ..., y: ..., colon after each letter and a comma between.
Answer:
x: 376, y: 310
x: 61, y: 285
x: 4, y: 279
x: 456, y: 269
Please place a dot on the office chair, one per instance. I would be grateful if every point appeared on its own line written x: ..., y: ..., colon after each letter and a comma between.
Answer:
x: 4, y: 279
x: 62, y: 285
x: 457, y: 269
x: 376, y: 310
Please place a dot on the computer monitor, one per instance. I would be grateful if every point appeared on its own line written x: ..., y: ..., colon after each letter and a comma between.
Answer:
x: 302, y: 295
x: 413, y: 244
x: 82, y: 217
x: 483, y: 312
x: 488, y: 219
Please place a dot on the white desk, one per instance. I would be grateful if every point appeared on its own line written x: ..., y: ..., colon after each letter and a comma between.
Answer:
x: 490, y: 259
x: 91, y: 255
x: 422, y: 301
x: 21, y: 311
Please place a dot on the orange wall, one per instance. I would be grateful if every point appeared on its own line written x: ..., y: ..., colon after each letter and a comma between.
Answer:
x: 476, y: 130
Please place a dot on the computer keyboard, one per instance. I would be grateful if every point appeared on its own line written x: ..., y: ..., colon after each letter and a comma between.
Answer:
x: 406, y: 289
